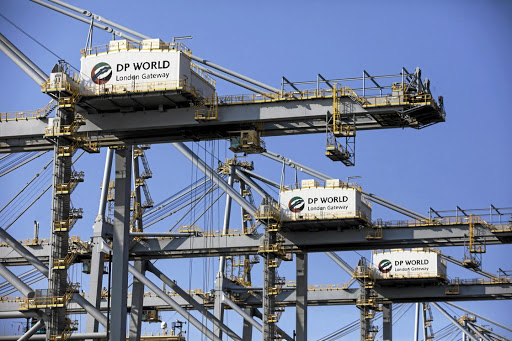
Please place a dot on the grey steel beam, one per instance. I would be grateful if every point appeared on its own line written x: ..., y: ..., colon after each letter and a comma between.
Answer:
x: 424, y: 317
x: 121, y: 242
x: 231, y: 80
x: 460, y: 263
x: 480, y: 316
x: 21, y: 63
x: 102, y: 19
x: 327, y: 297
x: 345, y: 239
x: 477, y: 332
x: 301, y: 306
x: 393, y: 206
x: 90, y: 309
x: 77, y: 17
x: 14, y: 314
x: 295, y: 164
x: 277, y: 118
x: 192, y: 301
x: 247, y: 327
x: 454, y: 322
x: 387, y: 322
x: 416, y: 321
x: 251, y: 183
x: 217, y: 179
x: 234, y: 74
x: 261, y: 178
x: 104, y: 185
x: 341, y: 263
x: 137, y: 303
x: 23, y: 252
x: 242, y: 313
x: 24, y: 58
x: 16, y: 282
x: 32, y: 330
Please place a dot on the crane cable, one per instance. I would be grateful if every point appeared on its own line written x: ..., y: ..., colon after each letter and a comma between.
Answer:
x: 35, y: 40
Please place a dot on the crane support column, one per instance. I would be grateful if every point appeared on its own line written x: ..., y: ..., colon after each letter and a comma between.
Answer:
x: 387, y: 322
x: 247, y: 327
x: 16, y: 282
x: 98, y: 257
x: 137, y: 302
x: 301, y: 304
x: 140, y: 265
x: 121, y: 243
x: 218, y: 309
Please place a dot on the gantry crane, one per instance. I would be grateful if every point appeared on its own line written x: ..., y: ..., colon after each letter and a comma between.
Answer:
x: 109, y: 116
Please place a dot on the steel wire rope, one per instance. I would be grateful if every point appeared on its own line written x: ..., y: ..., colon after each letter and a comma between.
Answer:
x: 455, y: 337
x: 14, y: 207
x: 170, y: 209
x: 27, y: 184
x: 448, y: 330
x: 14, y: 204
x: 193, y: 202
x: 399, y: 309
x: 170, y: 200
x: 9, y: 286
x: 351, y: 325
x: 13, y: 158
x: 28, y: 194
x: 443, y: 329
x: 27, y: 159
x: 23, y: 275
x: 35, y: 40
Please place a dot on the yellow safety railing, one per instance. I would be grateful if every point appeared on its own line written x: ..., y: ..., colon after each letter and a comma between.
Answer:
x: 290, y: 216
x: 28, y: 115
x: 430, y: 222
x: 68, y: 187
x: 63, y: 263
x: 62, y: 84
x: 420, y: 249
x: 322, y: 184
x: 133, y: 46
x: 49, y: 301
x: 137, y: 87
x: 203, y: 74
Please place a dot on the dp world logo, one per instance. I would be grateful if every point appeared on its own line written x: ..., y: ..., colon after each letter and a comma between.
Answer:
x: 296, y: 204
x: 385, y: 266
x: 101, y: 73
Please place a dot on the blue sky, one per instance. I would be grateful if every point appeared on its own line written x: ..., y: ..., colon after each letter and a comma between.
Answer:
x: 462, y: 46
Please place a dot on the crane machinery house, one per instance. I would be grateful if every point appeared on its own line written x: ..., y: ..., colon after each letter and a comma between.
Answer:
x: 335, y: 204
x: 399, y: 266
x: 124, y: 67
